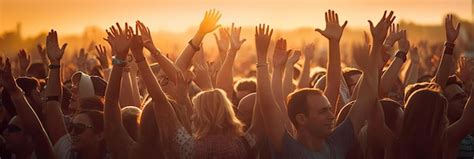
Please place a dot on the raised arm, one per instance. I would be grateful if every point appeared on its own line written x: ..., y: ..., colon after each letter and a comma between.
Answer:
x: 31, y: 122
x: 308, y: 51
x: 333, y: 33
x: 272, y: 115
x: 166, y: 64
x: 223, y: 43
x: 208, y: 24
x: 116, y: 137
x: 165, y: 115
x: 280, y: 57
x: 447, y: 60
x: 225, y: 76
x: 391, y: 74
x: 411, y: 75
x: 288, y: 85
x: 44, y: 58
x: 104, y: 60
x: 367, y: 94
x: 24, y: 59
x: 460, y: 129
x: 55, y: 124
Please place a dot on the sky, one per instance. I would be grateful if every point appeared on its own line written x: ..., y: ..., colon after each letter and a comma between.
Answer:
x: 73, y: 16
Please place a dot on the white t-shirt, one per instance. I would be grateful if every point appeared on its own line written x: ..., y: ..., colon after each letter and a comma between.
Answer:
x: 62, y: 148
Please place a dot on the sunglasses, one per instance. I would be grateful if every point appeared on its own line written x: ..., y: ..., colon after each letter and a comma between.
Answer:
x: 78, y: 128
x: 13, y: 129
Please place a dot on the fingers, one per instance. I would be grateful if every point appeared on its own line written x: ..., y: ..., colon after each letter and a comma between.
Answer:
x: 344, y: 25
x: 371, y: 25
x: 63, y: 48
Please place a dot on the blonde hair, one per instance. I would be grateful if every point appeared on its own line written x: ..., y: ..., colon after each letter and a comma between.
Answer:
x: 214, y: 114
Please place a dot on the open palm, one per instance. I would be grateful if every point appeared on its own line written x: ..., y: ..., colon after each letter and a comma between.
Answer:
x: 333, y: 30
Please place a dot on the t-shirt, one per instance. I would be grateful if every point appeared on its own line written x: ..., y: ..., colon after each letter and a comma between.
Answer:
x: 466, y: 148
x: 335, y: 146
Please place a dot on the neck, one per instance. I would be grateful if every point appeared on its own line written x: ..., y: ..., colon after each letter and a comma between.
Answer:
x: 310, y: 141
x: 93, y: 152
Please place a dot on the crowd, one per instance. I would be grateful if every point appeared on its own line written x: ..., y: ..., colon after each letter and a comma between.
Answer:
x: 399, y: 103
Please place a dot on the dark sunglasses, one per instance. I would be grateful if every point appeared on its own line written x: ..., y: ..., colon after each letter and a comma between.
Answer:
x: 13, y: 129
x: 78, y: 128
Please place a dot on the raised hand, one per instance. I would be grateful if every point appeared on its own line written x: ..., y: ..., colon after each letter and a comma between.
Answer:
x: 224, y: 42
x: 6, y: 77
x: 294, y: 58
x: 235, y: 41
x: 379, y: 32
x: 394, y: 35
x: 465, y: 70
x: 81, y: 59
x: 413, y: 55
x: 41, y: 51
x: 263, y: 35
x: 52, y: 48
x: 102, y: 56
x: 333, y: 30
x: 451, y: 32
x: 136, y: 44
x: 24, y: 60
x: 209, y: 23
x: 280, y: 55
x: 119, y: 40
x: 309, y: 51
x: 403, y: 43
x: 146, y: 36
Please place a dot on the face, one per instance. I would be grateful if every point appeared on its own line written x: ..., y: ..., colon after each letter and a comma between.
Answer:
x: 320, y: 120
x: 16, y: 139
x: 82, y: 133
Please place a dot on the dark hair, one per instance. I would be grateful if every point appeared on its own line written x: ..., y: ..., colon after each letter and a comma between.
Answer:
x: 37, y: 70
x: 246, y: 84
x: 27, y: 84
x: 97, y: 119
x: 417, y: 86
x: 298, y: 102
x: 391, y: 110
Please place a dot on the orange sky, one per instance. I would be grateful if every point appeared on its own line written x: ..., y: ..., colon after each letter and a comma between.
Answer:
x: 72, y: 16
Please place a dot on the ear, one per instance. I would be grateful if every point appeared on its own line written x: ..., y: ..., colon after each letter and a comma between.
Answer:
x: 300, y: 119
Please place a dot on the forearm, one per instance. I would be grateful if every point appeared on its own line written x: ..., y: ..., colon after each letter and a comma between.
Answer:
x: 412, y: 74
x: 333, y: 77
x: 225, y: 74
x: 166, y: 64
x: 184, y: 60
x: 304, y: 78
x: 46, y: 63
x: 288, y: 81
x: 126, y: 95
x: 54, y: 82
x: 442, y: 74
x: 390, y: 76
x: 277, y: 85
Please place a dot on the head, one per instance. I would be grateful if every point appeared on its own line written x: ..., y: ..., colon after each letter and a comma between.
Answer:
x: 351, y: 76
x: 456, y: 97
x: 244, y: 87
x: 423, y: 125
x: 245, y: 109
x: 417, y: 86
x: 130, y: 116
x: 17, y: 141
x: 393, y: 113
x: 87, y: 131
x: 83, y: 85
x: 37, y: 70
x: 214, y: 113
x: 309, y: 110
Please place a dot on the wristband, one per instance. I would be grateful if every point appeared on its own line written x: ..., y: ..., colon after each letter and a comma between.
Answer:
x: 118, y: 62
x: 195, y: 48
x: 261, y: 64
x: 449, y: 45
x: 53, y: 66
x: 402, y: 55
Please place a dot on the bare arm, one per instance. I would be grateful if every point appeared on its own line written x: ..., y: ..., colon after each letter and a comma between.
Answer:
x: 411, y: 75
x: 333, y: 33
x: 368, y: 92
x: 288, y: 85
x: 225, y: 76
x: 280, y: 57
x: 208, y: 24
x: 55, y: 124
x: 447, y: 61
x: 308, y: 56
x: 116, y: 137
x: 31, y: 122
x: 391, y: 74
